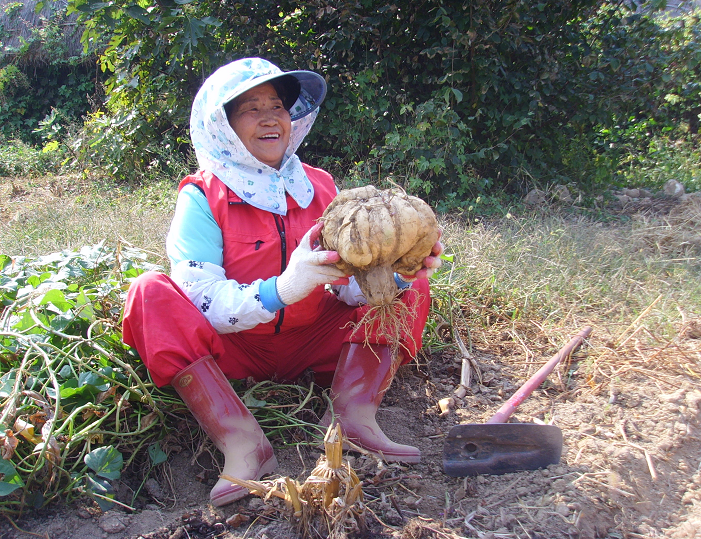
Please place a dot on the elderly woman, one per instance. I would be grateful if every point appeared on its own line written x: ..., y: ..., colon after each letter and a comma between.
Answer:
x: 247, y: 294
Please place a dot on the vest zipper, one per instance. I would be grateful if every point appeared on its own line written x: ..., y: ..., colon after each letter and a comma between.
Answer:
x: 280, y: 224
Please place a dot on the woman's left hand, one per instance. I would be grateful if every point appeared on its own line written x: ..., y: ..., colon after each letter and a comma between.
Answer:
x: 431, y: 264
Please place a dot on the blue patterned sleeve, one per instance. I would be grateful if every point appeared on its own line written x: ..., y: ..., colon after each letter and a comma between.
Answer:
x: 194, y: 234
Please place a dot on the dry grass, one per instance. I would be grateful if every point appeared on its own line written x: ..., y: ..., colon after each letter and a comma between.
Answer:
x: 567, y: 272
x: 42, y: 216
x: 529, y: 284
x: 677, y: 234
x: 561, y: 272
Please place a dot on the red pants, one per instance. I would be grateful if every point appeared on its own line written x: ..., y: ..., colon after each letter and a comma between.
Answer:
x: 169, y: 333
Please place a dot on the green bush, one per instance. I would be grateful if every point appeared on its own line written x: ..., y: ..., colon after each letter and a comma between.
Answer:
x: 14, y: 100
x: 128, y: 146
x: 20, y: 159
x: 70, y: 388
x: 78, y: 404
x: 437, y: 153
x: 454, y: 100
x: 664, y: 160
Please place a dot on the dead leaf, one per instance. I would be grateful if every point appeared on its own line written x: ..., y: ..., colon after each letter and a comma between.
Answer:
x: 26, y: 430
x: 104, y: 394
x: 38, y: 398
x: 237, y: 519
x: 38, y: 419
x: 97, y: 439
x: 52, y: 453
x: 149, y: 420
x: 9, y: 444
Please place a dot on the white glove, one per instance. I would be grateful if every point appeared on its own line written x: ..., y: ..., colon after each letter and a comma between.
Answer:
x: 308, y: 269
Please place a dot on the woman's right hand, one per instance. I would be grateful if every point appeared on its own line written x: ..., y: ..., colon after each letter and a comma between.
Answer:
x: 308, y: 268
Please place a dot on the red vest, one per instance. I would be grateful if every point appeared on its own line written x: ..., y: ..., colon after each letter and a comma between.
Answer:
x: 258, y: 243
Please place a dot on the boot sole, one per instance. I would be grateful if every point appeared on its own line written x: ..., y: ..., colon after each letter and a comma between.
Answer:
x: 407, y: 458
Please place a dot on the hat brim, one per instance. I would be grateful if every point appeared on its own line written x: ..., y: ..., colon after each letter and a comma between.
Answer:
x: 312, y: 90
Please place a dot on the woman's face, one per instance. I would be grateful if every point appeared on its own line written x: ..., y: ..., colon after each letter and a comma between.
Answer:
x: 262, y: 124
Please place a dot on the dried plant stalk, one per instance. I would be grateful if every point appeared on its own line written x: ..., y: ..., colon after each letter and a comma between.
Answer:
x: 331, y: 498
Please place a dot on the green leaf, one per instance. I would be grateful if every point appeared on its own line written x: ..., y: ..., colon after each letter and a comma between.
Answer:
x: 11, y: 480
x: 91, y: 6
x: 105, y: 461
x: 66, y: 372
x: 58, y: 299
x: 84, y: 388
x: 24, y: 323
x: 87, y: 378
x: 61, y: 321
x: 7, y: 384
x: 53, y: 258
x: 70, y: 389
x: 100, y: 486
x: 138, y: 13
x: 92, y: 256
x: 251, y: 402
x: 85, y: 308
x: 212, y: 21
x: 5, y: 261
x: 458, y: 94
x: 35, y: 499
x: 157, y: 454
x: 193, y: 30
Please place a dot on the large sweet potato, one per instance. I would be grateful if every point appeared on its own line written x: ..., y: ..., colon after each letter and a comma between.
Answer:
x: 376, y: 233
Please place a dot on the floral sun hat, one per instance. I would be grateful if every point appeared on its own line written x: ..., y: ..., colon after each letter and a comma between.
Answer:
x: 220, y: 151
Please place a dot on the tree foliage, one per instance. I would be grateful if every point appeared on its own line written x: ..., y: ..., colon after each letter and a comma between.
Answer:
x: 450, y: 99
x: 41, y: 71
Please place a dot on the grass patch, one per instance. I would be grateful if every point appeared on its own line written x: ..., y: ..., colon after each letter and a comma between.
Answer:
x: 560, y: 271
x: 51, y: 214
x: 20, y: 159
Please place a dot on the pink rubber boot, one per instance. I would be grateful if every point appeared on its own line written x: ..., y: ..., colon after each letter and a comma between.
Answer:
x: 230, y: 425
x: 363, y: 376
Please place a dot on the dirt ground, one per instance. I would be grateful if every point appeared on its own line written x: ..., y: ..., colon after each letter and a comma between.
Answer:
x: 631, y: 463
x: 630, y: 466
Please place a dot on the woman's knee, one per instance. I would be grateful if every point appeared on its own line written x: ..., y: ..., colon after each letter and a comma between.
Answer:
x: 149, y: 279
x: 152, y: 284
